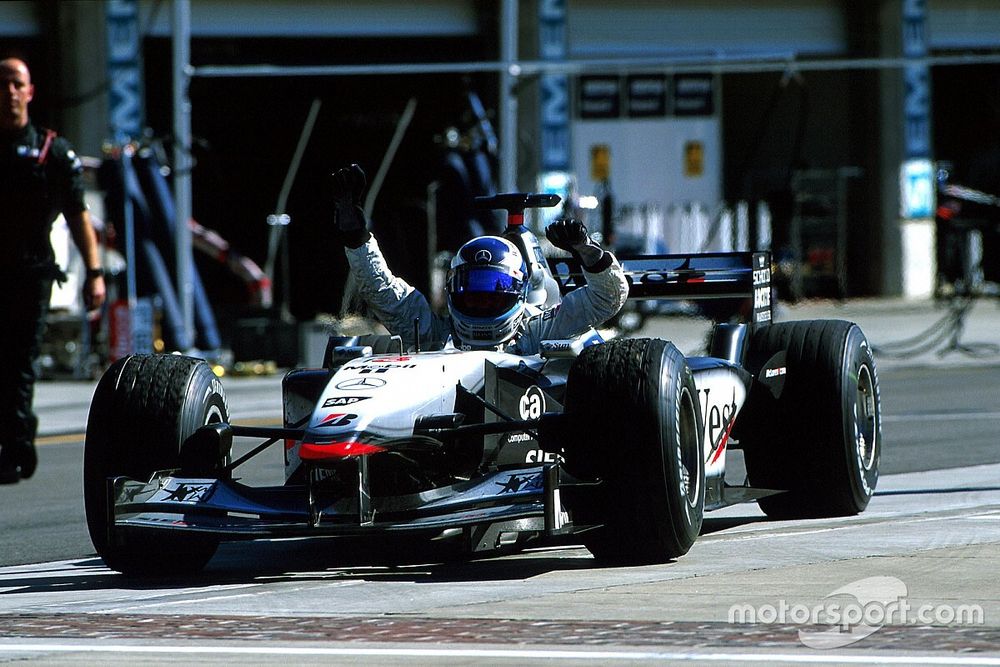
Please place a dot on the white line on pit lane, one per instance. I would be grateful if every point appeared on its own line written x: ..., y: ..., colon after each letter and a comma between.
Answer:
x: 941, y: 417
x: 514, y: 654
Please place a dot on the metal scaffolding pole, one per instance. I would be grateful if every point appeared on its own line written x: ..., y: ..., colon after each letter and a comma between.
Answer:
x: 508, y: 98
x: 182, y: 161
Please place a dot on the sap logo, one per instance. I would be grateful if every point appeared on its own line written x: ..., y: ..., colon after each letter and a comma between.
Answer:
x: 532, y: 403
x: 542, y: 456
x: 343, y: 400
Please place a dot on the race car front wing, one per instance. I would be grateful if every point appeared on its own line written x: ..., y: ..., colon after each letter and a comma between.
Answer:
x: 491, y: 511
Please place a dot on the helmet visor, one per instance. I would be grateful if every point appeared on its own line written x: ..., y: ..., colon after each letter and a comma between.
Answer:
x: 484, y: 291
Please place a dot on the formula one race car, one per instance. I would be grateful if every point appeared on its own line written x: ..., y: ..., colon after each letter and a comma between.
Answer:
x: 621, y: 444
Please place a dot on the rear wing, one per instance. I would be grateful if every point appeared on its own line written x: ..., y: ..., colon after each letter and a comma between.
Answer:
x: 717, y: 275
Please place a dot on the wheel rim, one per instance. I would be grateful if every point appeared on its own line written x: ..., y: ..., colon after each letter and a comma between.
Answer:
x: 689, y: 450
x: 865, y: 431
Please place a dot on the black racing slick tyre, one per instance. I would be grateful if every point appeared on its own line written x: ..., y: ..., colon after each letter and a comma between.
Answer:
x: 636, y: 426
x: 821, y: 439
x: 143, y: 409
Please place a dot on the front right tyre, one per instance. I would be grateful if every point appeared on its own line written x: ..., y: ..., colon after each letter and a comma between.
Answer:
x: 636, y: 426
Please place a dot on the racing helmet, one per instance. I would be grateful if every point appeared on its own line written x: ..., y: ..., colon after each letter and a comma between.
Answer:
x: 486, y: 291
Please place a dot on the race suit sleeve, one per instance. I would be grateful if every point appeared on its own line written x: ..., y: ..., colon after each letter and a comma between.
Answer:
x: 589, y: 306
x: 395, y: 303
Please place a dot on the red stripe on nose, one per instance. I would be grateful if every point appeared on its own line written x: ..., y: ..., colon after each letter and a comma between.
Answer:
x: 336, y: 450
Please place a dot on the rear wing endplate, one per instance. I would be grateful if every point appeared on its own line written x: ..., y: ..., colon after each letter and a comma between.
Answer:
x: 719, y: 275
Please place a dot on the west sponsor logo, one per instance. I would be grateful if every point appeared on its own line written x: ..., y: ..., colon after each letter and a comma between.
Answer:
x: 718, y: 418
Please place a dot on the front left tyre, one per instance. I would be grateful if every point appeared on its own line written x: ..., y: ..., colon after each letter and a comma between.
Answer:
x: 144, y: 408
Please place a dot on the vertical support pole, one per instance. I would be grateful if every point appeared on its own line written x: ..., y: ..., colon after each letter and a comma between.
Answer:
x: 182, y: 160
x: 554, y: 88
x: 907, y: 173
x: 508, y: 97
x: 131, y: 328
x: 917, y: 181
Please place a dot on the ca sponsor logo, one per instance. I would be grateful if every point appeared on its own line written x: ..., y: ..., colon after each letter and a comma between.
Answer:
x: 532, y: 403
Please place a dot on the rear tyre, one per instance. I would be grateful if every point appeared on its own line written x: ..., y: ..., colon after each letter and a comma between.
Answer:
x: 821, y: 440
x: 143, y: 409
x: 636, y: 426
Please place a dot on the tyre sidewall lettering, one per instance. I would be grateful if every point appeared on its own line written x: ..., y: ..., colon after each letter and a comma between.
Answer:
x: 864, y: 478
x: 678, y: 480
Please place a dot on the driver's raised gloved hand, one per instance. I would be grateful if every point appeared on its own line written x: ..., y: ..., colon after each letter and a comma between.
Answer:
x: 571, y: 235
x: 348, y: 185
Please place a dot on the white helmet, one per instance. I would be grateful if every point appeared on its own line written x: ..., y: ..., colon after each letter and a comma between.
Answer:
x: 486, y: 291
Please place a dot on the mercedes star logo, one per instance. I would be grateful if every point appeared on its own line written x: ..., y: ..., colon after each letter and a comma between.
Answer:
x: 483, y: 256
x: 361, y: 383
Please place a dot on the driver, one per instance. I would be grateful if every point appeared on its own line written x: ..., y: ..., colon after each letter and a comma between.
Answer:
x: 487, y: 285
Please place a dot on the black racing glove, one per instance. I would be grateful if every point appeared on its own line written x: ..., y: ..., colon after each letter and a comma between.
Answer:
x: 571, y: 235
x: 348, y: 185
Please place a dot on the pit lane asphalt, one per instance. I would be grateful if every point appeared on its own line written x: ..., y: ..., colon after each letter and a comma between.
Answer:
x: 933, y: 526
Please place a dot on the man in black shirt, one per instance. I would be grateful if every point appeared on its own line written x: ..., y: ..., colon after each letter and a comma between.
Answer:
x: 40, y: 177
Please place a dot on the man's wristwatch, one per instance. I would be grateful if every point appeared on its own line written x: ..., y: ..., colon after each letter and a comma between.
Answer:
x: 95, y: 273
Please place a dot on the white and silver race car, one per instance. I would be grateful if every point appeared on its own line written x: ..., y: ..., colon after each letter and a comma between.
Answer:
x: 621, y: 444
